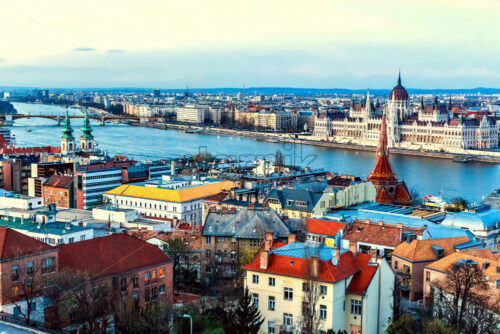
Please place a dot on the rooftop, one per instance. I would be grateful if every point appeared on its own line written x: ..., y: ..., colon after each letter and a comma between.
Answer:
x: 425, y: 250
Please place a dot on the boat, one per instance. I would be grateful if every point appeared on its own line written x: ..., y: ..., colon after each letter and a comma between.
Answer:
x: 29, y: 129
x: 462, y: 159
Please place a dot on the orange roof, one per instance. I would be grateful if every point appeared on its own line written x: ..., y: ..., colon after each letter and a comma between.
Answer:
x: 172, y: 195
x: 446, y: 262
x: 323, y: 227
x: 420, y: 250
x: 295, y: 267
x: 361, y: 280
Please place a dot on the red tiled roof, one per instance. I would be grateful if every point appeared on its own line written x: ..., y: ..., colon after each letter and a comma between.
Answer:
x: 361, y: 280
x: 110, y: 255
x: 14, y: 244
x: 60, y: 181
x: 295, y: 267
x: 217, y: 198
x: 323, y: 227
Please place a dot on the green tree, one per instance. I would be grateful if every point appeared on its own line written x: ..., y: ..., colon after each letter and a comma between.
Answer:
x: 403, y: 325
x: 438, y: 327
x: 458, y: 204
x: 247, y: 316
x: 176, y: 249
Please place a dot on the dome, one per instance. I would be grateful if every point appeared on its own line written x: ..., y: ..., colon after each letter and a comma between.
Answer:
x: 399, y: 92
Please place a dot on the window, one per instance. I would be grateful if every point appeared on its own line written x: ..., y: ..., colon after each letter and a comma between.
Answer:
x: 146, y: 277
x: 123, y: 284
x: 153, y: 276
x: 208, y: 240
x: 15, y: 273
x: 29, y: 268
x: 48, y: 265
x: 135, y: 282
x: 498, y: 284
x: 255, y: 279
x: 82, y: 237
x: 270, y: 327
x: 271, y: 303
x: 233, y: 255
x: 355, y: 329
x: 71, y: 240
x: 272, y: 281
x: 288, y: 319
x: 14, y: 291
x: 428, y: 276
x: 305, y: 286
x: 287, y: 293
x: 356, y: 306
x: 255, y: 299
x: 406, y: 269
x: 322, y: 312
x: 395, y: 264
x: 323, y: 289
x: 161, y: 272
x: 162, y: 289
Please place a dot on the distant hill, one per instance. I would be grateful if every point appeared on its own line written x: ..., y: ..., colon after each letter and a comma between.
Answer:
x: 270, y: 90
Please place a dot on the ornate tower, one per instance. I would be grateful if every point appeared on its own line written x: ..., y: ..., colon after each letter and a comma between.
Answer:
x: 389, y: 190
x: 87, y: 142
x: 67, y: 139
x: 397, y: 111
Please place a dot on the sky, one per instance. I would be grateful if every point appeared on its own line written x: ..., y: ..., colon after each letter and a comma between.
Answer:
x: 230, y: 43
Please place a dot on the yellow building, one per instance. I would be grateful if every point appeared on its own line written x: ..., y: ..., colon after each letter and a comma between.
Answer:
x: 354, y: 292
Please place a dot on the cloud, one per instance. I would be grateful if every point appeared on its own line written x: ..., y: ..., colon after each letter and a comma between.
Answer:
x: 2, y: 60
x: 84, y: 49
x: 116, y: 51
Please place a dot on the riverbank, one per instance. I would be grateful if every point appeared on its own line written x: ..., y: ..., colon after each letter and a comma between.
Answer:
x: 282, y: 138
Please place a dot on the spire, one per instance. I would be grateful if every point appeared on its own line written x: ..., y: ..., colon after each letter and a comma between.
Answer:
x: 67, y: 130
x: 368, y: 103
x: 436, y: 103
x: 422, y: 103
x: 86, y: 129
x: 450, y: 105
x: 399, y: 78
x: 382, y: 139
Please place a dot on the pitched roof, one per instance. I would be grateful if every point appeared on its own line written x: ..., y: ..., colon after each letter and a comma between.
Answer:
x: 110, y: 255
x: 289, y: 198
x: 59, y: 181
x: 362, y: 279
x: 246, y: 223
x: 14, y: 244
x: 172, y: 195
x: 323, y: 227
x: 296, y: 266
x: 421, y: 250
x: 445, y: 263
x: 377, y: 233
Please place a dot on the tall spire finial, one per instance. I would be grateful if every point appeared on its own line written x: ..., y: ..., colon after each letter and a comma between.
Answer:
x: 382, y: 138
x: 86, y: 129
x: 399, y: 78
x: 67, y: 130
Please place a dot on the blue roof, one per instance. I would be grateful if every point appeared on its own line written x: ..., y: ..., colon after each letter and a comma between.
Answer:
x: 299, y: 250
x: 484, y: 219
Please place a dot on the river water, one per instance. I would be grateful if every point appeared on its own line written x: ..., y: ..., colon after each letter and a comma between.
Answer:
x: 426, y: 175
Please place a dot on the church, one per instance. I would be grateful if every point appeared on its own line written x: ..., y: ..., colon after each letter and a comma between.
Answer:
x: 87, y: 142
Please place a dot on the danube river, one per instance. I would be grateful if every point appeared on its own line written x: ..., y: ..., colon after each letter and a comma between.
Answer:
x: 426, y: 175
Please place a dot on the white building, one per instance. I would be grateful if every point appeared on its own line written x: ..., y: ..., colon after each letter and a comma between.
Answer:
x: 432, y: 127
x: 10, y: 200
x: 192, y: 114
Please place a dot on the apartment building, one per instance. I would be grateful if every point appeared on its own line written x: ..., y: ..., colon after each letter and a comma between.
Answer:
x: 354, y: 292
x: 411, y: 257
x: 192, y: 114
x: 182, y: 203
x: 58, y: 189
x: 24, y: 263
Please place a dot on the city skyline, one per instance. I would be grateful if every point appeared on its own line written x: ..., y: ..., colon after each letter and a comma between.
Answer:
x: 354, y: 45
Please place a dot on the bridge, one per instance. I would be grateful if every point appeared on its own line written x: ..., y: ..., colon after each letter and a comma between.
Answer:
x: 58, y: 118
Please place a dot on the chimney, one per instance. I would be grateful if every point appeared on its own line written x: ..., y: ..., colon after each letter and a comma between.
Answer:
x: 399, y: 225
x: 291, y: 238
x: 337, y: 255
x: 381, y: 223
x: 268, y: 243
x: 352, y: 247
x: 314, y: 266
x: 264, y: 259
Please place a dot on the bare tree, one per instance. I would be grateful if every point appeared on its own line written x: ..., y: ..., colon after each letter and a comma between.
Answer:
x: 310, y: 320
x: 462, y: 299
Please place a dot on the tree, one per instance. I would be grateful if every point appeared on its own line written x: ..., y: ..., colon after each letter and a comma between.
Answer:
x: 458, y: 204
x: 177, y: 249
x: 436, y: 326
x: 247, y: 316
x: 310, y: 322
x: 402, y: 325
x: 461, y: 299
x: 129, y: 317
x: 76, y: 299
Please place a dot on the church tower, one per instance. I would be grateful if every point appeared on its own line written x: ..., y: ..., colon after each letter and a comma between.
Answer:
x: 397, y: 111
x: 87, y: 142
x: 67, y: 139
x: 389, y: 189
